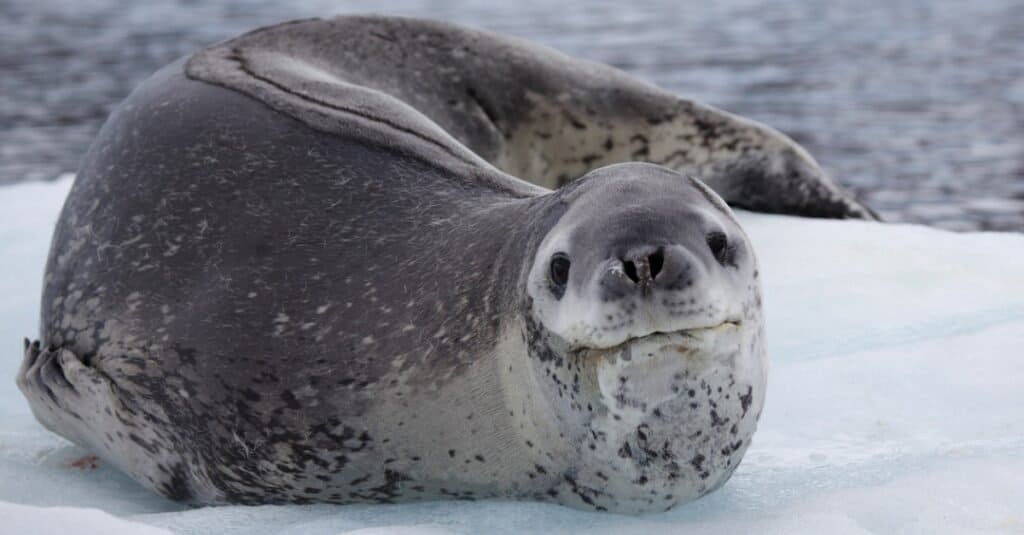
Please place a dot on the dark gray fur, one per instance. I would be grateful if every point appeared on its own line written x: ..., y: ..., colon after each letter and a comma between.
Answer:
x: 529, y: 110
x: 242, y: 278
x: 192, y: 198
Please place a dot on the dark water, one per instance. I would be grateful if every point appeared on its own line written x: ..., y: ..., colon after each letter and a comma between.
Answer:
x: 917, y: 106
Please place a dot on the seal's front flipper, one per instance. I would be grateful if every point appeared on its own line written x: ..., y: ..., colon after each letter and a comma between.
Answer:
x: 55, y: 402
x: 83, y: 405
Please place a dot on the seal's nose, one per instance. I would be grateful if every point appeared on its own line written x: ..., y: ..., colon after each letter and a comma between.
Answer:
x: 643, y: 266
x: 646, y: 269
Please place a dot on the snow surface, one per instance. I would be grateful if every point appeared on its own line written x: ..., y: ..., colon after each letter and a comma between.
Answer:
x: 894, y: 403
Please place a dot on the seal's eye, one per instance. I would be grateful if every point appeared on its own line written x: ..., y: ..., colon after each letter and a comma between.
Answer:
x: 560, y: 270
x: 719, y: 245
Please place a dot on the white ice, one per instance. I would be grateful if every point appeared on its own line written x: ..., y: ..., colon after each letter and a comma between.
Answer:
x: 895, y: 403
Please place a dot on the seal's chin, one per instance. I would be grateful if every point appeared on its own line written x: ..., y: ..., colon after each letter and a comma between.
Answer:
x: 681, y: 340
x: 643, y: 373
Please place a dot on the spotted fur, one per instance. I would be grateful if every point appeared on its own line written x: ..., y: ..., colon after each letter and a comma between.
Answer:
x: 275, y: 283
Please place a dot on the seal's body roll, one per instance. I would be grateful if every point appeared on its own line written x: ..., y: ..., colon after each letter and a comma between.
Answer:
x: 269, y: 290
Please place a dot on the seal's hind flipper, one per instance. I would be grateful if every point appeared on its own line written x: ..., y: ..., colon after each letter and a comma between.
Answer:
x: 83, y: 405
x: 488, y: 99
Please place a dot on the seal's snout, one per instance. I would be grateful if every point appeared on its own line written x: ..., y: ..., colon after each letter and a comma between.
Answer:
x: 643, y: 266
x: 646, y: 270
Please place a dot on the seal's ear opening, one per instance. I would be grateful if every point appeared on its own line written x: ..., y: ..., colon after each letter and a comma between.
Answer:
x: 559, y: 273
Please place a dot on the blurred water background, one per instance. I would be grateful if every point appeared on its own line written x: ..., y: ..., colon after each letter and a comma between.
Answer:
x: 917, y: 106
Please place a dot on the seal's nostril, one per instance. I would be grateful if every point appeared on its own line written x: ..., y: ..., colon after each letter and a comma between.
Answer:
x: 630, y: 268
x: 655, y: 262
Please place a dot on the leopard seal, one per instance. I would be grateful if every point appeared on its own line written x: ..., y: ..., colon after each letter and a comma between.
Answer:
x: 273, y: 284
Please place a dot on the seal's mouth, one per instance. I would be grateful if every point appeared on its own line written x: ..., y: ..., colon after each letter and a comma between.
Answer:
x: 682, y: 337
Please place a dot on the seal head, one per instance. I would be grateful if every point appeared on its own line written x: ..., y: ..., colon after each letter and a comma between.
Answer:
x: 645, y: 335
